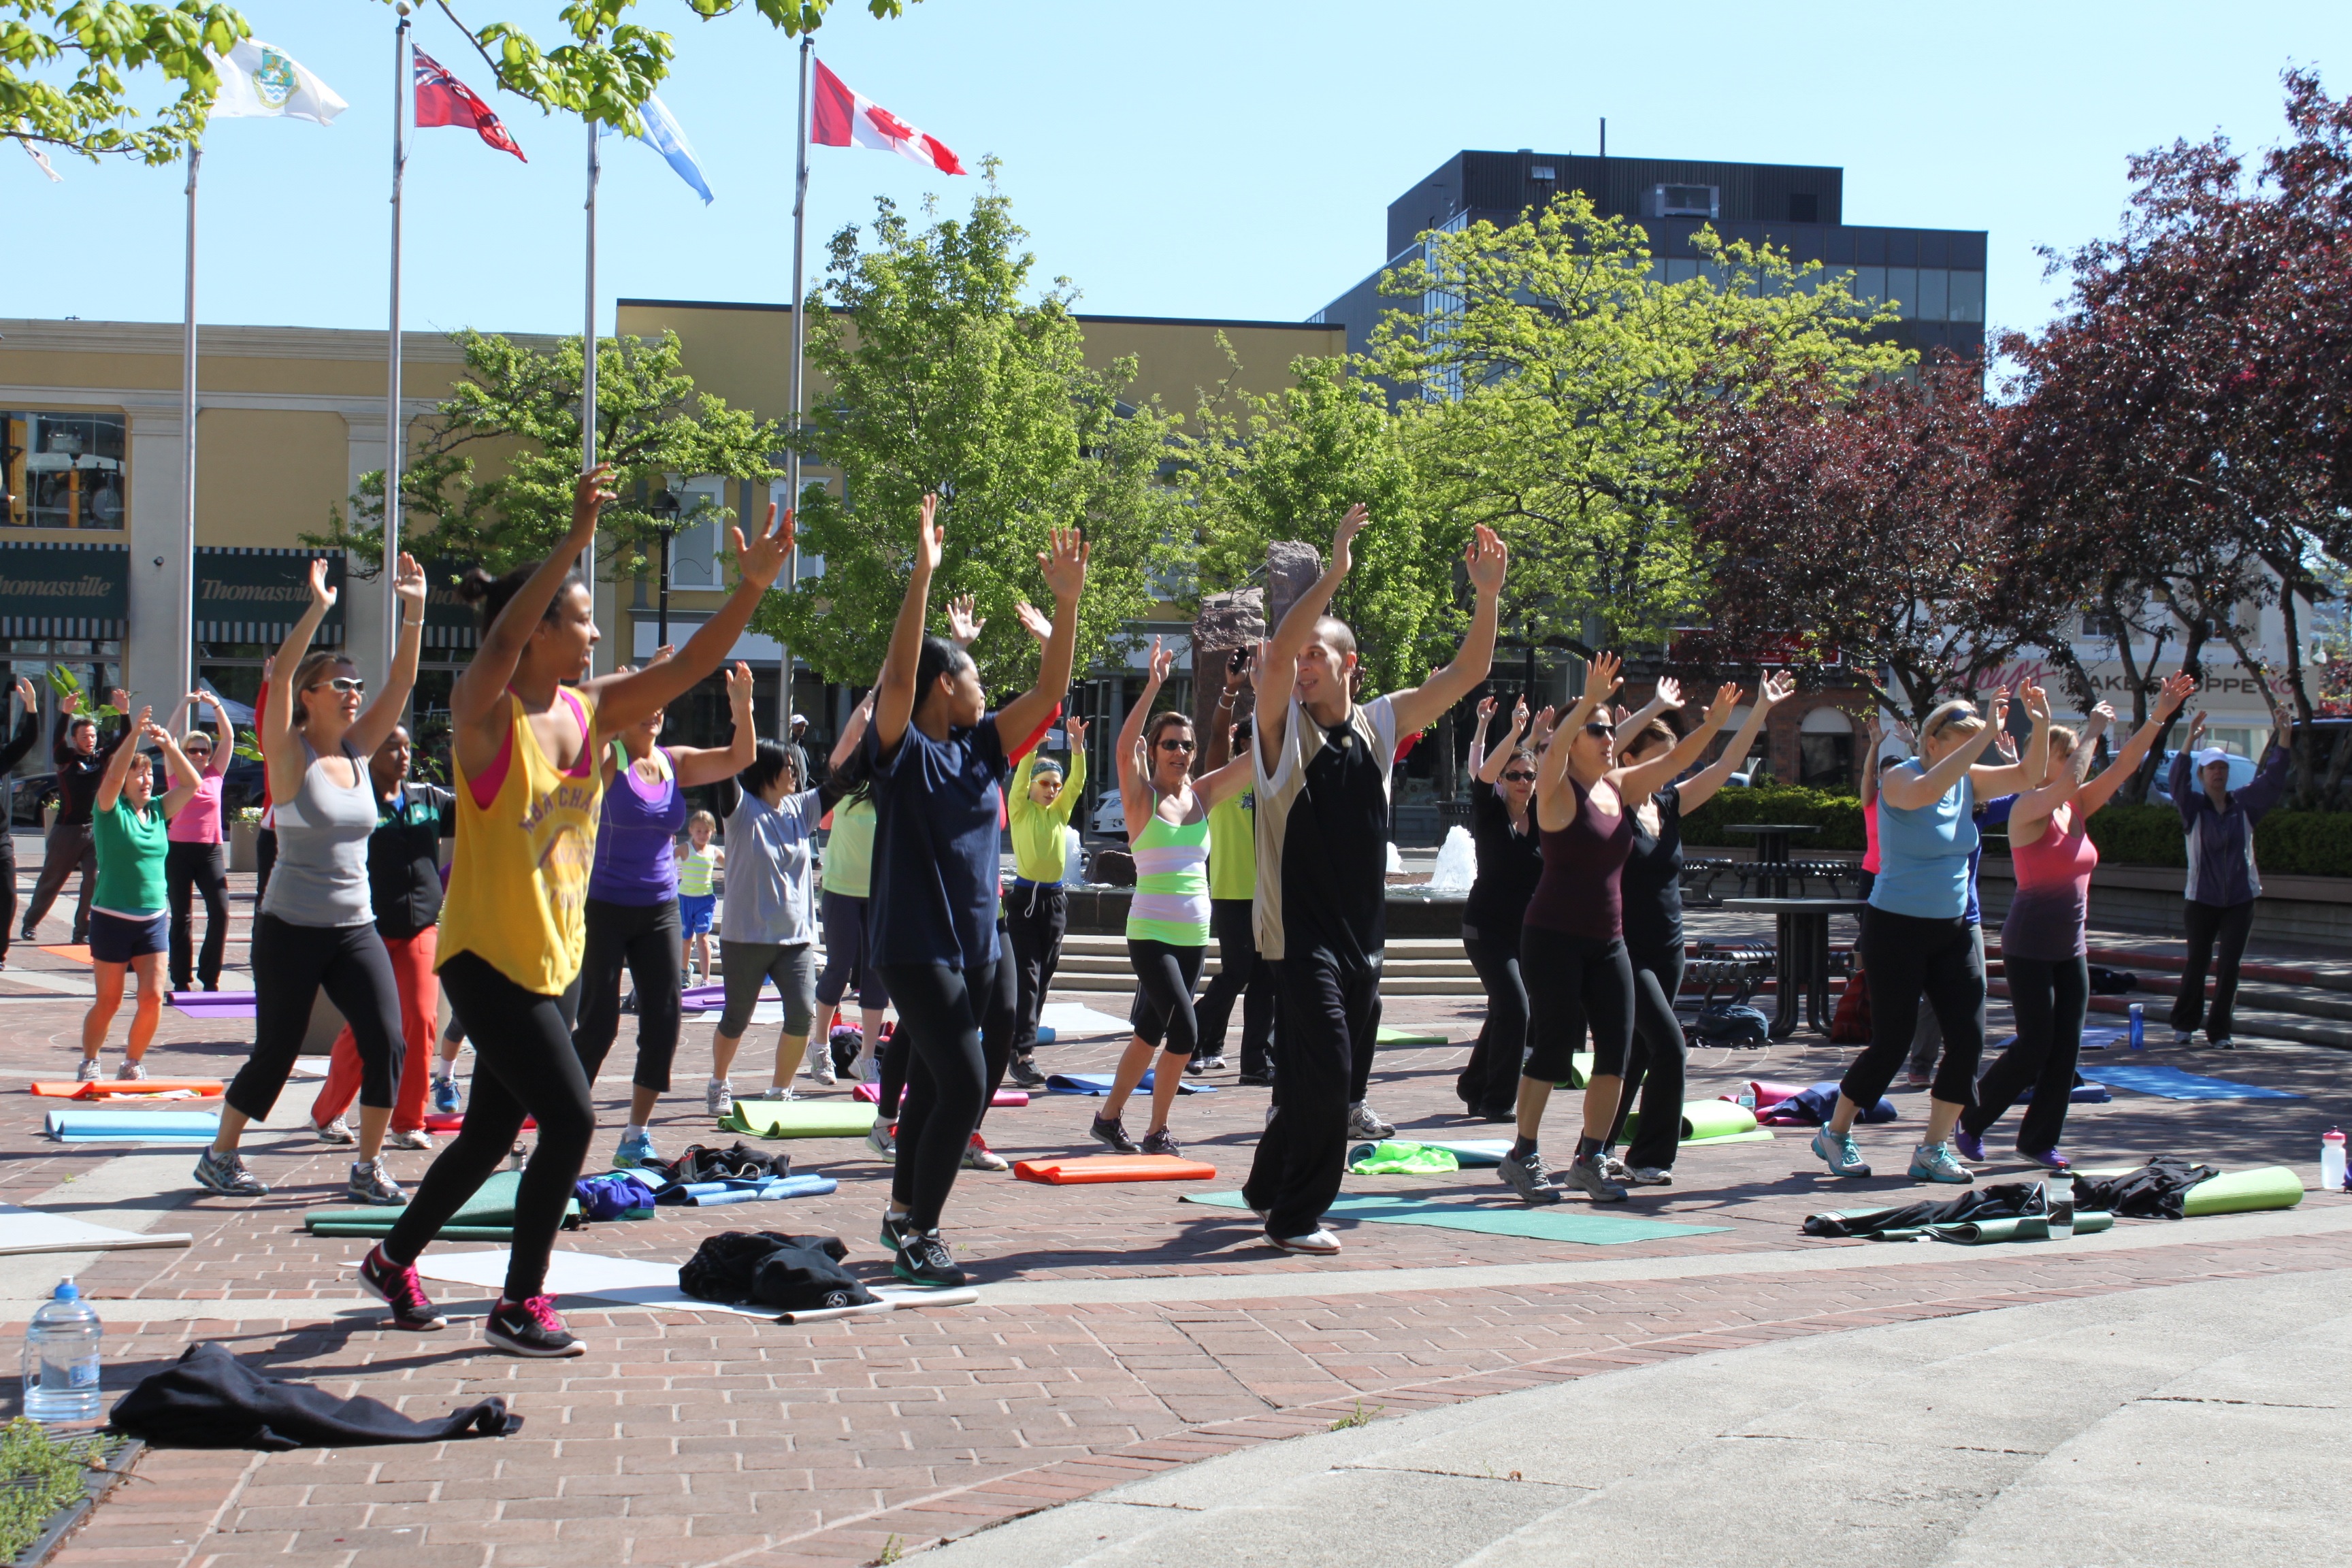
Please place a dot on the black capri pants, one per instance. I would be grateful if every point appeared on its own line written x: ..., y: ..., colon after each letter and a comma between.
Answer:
x: 199, y: 869
x: 647, y: 940
x: 2050, y: 998
x: 1165, y: 975
x: 940, y: 1014
x: 1489, y: 1084
x: 1905, y: 955
x: 847, y: 956
x: 291, y: 965
x: 1577, y: 984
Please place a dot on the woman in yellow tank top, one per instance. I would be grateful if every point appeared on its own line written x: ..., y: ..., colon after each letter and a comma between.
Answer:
x: 524, y: 726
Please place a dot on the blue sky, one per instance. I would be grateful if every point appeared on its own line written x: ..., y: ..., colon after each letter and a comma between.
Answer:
x: 1210, y: 158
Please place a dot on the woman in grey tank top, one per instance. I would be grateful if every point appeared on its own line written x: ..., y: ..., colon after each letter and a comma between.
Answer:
x: 316, y: 926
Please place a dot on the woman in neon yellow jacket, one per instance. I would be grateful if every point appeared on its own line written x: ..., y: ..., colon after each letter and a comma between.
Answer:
x: 1037, y: 908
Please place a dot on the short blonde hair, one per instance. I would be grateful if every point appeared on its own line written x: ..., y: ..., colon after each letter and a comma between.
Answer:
x: 2064, y: 735
x: 702, y: 819
x: 1959, y: 712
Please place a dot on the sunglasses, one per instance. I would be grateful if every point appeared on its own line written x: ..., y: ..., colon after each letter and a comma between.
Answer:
x: 1176, y: 745
x: 343, y: 683
x: 1520, y: 776
x: 197, y: 751
x: 1597, y: 728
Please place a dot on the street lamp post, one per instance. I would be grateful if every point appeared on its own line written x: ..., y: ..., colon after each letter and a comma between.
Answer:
x: 667, y: 513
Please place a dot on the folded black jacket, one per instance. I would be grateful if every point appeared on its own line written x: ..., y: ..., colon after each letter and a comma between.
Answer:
x: 211, y: 1400
x: 790, y: 1273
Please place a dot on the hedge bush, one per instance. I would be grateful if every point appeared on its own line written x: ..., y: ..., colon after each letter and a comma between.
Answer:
x: 1839, y: 816
x: 2147, y: 836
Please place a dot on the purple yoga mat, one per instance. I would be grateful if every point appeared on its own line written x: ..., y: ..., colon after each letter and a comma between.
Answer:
x: 213, y: 1003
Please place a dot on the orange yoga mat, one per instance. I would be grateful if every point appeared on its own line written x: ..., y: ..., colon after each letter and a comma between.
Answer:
x: 79, y: 952
x: 1082, y: 1168
x: 103, y: 1088
x: 455, y: 1120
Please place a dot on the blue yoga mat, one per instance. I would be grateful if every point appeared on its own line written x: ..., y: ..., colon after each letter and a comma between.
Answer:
x: 1100, y: 1082
x: 1564, y: 1222
x: 2171, y: 1083
x: 710, y: 1194
x: 134, y: 1126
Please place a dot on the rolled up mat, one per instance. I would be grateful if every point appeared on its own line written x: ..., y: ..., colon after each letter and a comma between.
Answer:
x: 2244, y: 1192
x: 1710, y: 1122
x: 1006, y: 1099
x: 798, y: 1119
x: 1100, y: 1083
x: 133, y: 1126
x: 455, y: 1121
x: 2025, y: 1227
x: 1765, y: 1091
x: 334, y: 1224
x: 129, y: 1089
x: 1580, y: 1071
x: 1472, y: 1153
x: 804, y: 1186
x: 1389, y: 1034
x: 490, y: 1208
x: 1083, y: 1169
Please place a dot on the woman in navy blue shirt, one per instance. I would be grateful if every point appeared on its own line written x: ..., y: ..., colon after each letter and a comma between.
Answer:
x: 939, y: 764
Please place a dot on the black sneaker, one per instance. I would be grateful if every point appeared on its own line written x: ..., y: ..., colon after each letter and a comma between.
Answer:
x: 924, y: 1260
x: 399, y: 1288
x: 894, y: 1230
x: 1159, y: 1142
x: 530, y: 1329
x: 1256, y: 1080
x: 1108, y: 1132
x: 1024, y: 1072
x: 1207, y: 1064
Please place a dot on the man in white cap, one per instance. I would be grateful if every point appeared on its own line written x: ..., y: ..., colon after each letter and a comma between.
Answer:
x: 797, y: 728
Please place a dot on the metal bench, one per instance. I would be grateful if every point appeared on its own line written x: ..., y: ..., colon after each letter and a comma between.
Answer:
x: 1738, y: 967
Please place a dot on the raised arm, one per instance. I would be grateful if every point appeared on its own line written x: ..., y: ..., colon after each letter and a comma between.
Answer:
x: 1701, y: 786
x: 29, y: 727
x: 1064, y: 563
x: 1074, y: 779
x: 1134, y: 767
x: 1600, y: 683
x: 2014, y: 778
x: 1642, y: 782
x: 894, y: 690
x: 626, y: 699
x: 1487, y: 560
x: 1216, y: 745
x: 187, y: 778
x: 117, y: 766
x: 1667, y: 696
x: 1490, y: 768
x: 708, y: 765
x: 1907, y: 791
x: 2128, y: 759
x: 1277, y: 657
x: 376, y: 722
x: 224, y: 733
x: 851, y: 734
x: 477, y: 697
x: 281, y: 747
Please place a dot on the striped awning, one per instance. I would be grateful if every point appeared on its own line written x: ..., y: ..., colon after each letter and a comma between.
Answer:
x: 253, y: 593
x: 450, y: 621
x: 64, y: 589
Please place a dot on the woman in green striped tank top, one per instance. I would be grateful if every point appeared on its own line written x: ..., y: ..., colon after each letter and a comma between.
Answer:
x: 1168, y: 920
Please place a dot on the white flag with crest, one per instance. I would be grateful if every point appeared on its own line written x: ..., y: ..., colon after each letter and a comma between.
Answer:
x: 256, y: 81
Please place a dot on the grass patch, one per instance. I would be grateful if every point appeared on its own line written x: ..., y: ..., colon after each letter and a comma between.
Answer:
x: 39, y: 1477
x: 1359, y: 1416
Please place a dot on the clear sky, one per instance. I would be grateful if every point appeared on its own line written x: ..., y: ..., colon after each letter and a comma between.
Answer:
x: 1208, y: 159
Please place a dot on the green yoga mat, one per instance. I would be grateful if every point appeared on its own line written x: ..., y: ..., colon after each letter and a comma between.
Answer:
x: 1389, y: 1034
x: 1580, y: 1071
x: 1986, y: 1232
x: 1562, y: 1222
x: 490, y: 1209
x: 2244, y: 1192
x: 1710, y: 1122
x: 798, y: 1119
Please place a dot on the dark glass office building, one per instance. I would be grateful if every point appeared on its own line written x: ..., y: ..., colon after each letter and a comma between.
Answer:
x: 1935, y: 276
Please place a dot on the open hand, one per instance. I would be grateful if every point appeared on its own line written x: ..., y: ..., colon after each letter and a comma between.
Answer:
x: 1077, y: 729
x: 1487, y: 561
x: 588, y: 497
x: 1064, y: 564
x: 1776, y: 688
x: 1032, y: 621
x: 1601, y: 679
x: 1669, y: 693
x: 1163, y: 663
x: 930, y: 536
x: 1727, y: 698
x: 2037, y: 702
x: 760, y: 559
x: 1486, y: 711
x: 1343, y: 537
x: 117, y: 699
x: 740, y: 686
x: 409, y: 582
x: 25, y: 695
x: 964, y: 620
x: 322, y: 596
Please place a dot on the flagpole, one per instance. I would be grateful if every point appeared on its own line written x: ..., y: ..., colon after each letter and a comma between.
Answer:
x: 183, y: 602
x: 395, y: 442
x: 588, y: 364
x: 800, y: 341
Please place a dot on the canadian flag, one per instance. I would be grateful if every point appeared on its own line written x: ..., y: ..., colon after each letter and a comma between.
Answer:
x: 442, y: 100
x: 843, y: 118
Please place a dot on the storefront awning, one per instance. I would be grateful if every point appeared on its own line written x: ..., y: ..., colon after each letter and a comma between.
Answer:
x: 450, y: 621
x: 63, y: 590
x: 253, y: 594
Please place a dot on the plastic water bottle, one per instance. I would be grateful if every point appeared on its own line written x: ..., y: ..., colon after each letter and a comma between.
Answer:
x: 2139, y: 1026
x: 2331, y: 1162
x: 61, y: 1358
x: 2058, y: 1202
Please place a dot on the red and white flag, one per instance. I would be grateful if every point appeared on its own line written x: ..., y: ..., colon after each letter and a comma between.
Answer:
x: 442, y: 100
x: 843, y: 118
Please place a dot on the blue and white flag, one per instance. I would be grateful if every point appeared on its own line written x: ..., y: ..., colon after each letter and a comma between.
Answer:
x: 665, y: 136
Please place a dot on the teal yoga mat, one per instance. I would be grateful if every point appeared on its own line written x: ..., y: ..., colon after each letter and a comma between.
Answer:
x: 1391, y: 1034
x: 1563, y: 1222
x: 134, y: 1126
x: 487, y: 1215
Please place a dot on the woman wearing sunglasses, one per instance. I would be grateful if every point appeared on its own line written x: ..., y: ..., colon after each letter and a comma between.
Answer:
x: 1572, y: 939
x: 1168, y: 920
x: 316, y: 929
x: 1510, y: 863
x: 192, y: 864
x: 1920, y: 938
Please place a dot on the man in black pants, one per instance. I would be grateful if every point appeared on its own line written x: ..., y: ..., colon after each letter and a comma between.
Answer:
x: 1322, y: 764
x: 20, y: 744
x: 81, y: 761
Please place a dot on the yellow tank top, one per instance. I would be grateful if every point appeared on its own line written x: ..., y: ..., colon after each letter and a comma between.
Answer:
x: 519, y: 879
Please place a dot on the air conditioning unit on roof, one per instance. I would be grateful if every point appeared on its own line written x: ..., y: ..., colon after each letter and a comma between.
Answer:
x: 1683, y: 201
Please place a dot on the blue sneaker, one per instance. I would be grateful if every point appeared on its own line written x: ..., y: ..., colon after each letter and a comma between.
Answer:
x: 1940, y: 1162
x: 444, y: 1096
x: 1840, y: 1153
x: 636, y: 1149
x: 1970, y: 1146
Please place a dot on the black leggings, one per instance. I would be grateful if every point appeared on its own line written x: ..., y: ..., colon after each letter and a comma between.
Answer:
x: 524, y: 1065
x: 1905, y: 956
x: 940, y: 1014
x: 2203, y: 925
x: 2048, y: 999
x: 1164, y: 977
x: 645, y: 939
x: 1659, y: 1063
x: 1240, y: 973
x: 1489, y: 1084
x: 1576, y: 983
x: 845, y: 953
x: 291, y: 965
x: 202, y: 869
x: 1036, y: 917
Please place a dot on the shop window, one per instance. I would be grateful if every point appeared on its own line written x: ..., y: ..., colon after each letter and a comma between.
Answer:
x: 61, y: 471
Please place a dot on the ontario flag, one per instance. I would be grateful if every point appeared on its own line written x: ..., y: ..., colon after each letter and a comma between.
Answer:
x: 442, y: 100
x: 843, y: 118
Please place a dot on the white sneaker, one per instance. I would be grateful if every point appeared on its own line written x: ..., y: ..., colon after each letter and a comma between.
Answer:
x: 337, y: 1132
x: 129, y: 1071
x: 1363, y: 1121
x: 414, y: 1138
x: 1317, y: 1243
x: 819, y: 1063
x: 89, y: 1071
x: 718, y: 1095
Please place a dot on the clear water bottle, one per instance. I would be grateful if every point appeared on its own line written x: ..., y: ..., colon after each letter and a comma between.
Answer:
x: 61, y: 1358
x: 2058, y: 1202
x: 2331, y: 1162
x: 2139, y: 1026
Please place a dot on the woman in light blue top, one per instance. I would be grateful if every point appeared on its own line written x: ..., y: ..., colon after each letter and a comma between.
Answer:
x: 1918, y: 937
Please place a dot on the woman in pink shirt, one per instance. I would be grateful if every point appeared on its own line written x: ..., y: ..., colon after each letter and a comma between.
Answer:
x: 193, y: 862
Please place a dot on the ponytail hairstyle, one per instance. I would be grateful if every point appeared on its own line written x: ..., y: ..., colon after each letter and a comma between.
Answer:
x: 939, y: 658
x: 488, y: 594
x: 306, y: 675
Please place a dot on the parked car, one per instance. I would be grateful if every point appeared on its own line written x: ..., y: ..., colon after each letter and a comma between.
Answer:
x: 1110, y: 815
x: 2160, y: 791
x: 241, y: 785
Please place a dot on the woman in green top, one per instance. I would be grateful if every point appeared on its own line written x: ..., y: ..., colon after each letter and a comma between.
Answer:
x: 848, y: 915
x: 128, y: 924
x: 1036, y: 909
x: 1168, y: 920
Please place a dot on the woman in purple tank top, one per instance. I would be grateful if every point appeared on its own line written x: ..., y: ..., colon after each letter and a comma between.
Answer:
x: 2043, y: 953
x: 632, y: 904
